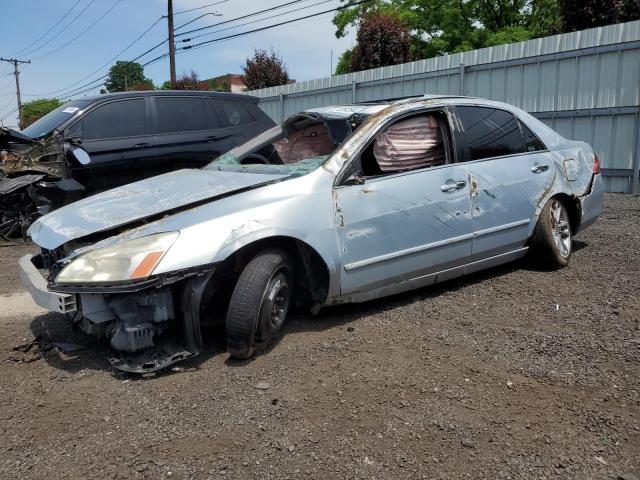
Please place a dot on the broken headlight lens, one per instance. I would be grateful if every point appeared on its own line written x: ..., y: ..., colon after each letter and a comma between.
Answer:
x: 131, y: 260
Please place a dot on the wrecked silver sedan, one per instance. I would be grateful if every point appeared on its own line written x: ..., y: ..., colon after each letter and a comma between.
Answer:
x: 338, y: 204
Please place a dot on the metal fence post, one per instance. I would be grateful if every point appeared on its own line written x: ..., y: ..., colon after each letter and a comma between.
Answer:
x: 462, y: 71
x: 353, y: 91
x: 636, y: 160
x: 282, y: 107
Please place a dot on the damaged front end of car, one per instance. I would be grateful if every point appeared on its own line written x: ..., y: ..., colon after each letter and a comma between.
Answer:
x: 150, y: 321
x: 33, y: 180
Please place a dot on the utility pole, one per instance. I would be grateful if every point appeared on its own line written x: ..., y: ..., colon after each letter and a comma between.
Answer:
x: 16, y: 73
x: 172, y: 45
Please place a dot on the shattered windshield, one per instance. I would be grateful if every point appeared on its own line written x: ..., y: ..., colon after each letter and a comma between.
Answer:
x: 55, y: 118
x: 296, y: 148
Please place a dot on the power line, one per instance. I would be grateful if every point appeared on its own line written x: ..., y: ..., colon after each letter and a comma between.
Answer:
x: 94, y: 83
x: 16, y: 72
x: 12, y: 112
x: 236, y: 35
x: 207, y: 42
x: 255, y: 21
x: 200, y: 8
x: 64, y: 28
x: 105, y: 64
x: 48, y: 31
x: 82, y: 32
x: 253, y: 14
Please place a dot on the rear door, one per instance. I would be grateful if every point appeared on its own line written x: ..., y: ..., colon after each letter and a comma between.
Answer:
x: 237, y: 120
x: 509, y: 170
x: 117, y: 137
x: 187, y: 132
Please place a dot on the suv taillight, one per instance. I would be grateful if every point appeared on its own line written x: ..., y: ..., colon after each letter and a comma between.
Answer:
x: 596, y: 165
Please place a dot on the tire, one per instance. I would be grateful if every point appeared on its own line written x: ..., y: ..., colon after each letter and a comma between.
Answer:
x: 552, y: 240
x: 259, y: 303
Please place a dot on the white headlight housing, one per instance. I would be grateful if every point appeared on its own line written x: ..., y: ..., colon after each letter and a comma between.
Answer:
x: 131, y: 260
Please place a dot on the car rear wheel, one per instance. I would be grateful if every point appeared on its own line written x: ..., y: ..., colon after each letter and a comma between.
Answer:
x: 552, y: 235
x: 259, y: 303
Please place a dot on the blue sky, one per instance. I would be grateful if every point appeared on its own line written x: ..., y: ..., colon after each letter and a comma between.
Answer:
x: 305, y: 46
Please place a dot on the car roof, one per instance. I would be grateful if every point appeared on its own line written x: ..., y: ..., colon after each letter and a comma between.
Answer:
x: 171, y: 93
x: 549, y: 136
x: 372, y: 107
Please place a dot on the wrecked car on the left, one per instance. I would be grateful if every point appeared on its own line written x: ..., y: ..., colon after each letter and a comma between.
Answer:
x: 97, y: 143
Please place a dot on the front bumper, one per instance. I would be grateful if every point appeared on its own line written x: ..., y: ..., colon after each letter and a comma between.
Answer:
x: 36, y: 285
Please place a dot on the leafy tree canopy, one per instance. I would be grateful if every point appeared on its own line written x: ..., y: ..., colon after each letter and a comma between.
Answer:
x: 187, y: 81
x: 439, y: 27
x: 125, y: 76
x: 383, y: 39
x: 36, y: 109
x: 264, y: 69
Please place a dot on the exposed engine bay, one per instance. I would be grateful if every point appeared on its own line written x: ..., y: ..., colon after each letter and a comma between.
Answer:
x: 32, y: 180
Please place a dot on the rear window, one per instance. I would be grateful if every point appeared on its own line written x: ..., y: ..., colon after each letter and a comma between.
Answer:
x: 489, y: 132
x: 233, y: 113
x: 181, y: 114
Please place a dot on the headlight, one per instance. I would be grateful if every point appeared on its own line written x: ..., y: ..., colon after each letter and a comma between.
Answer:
x: 130, y: 260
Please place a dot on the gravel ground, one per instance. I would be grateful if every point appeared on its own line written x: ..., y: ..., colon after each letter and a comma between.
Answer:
x: 514, y: 373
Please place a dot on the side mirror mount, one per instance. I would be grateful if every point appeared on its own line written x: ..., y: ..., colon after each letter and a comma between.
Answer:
x: 355, y: 179
x: 76, y: 141
x: 80, y: 155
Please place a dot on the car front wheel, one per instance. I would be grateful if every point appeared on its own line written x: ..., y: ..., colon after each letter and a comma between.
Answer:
x: 259, y: 303
x: 552, y: 235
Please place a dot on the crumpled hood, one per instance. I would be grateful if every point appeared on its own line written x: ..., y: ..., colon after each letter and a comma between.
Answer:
x: 137, y: 201
x: 8, y: 136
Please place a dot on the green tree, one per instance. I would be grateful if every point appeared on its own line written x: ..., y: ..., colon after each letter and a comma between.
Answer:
x: 264, y: 69
x: 448, y: 26
x: 581, y: 14
x: 36, y: 109
x: 187, y: 81
x: 382, y: 40
x: 344, y: 62
x: 125, y: 76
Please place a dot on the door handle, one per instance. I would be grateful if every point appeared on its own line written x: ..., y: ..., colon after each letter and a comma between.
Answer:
x: 457, y: 185
x: 539, y: 168
x: 142, y: 145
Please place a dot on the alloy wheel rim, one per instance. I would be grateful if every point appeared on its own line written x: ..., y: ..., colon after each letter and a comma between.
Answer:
x: 561, y: 229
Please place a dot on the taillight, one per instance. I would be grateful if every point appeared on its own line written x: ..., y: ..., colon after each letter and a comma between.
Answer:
x: 596, y: 165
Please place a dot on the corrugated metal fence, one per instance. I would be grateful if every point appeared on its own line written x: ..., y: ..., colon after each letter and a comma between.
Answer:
x: 585, y: 85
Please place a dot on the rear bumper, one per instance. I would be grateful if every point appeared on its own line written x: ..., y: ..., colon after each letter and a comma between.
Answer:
x: 592, y: 203
x: 33, y: 282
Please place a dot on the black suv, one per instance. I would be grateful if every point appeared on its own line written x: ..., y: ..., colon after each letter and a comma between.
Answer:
x: 97, y: 143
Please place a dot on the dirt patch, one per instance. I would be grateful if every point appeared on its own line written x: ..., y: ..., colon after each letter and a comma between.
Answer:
x: 513, y: 373
x: 9, y: 256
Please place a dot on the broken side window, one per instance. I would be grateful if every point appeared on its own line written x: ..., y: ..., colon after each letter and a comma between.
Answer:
x: 410, y: 143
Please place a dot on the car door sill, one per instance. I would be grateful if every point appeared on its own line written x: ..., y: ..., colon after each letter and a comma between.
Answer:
x: 433, y: 278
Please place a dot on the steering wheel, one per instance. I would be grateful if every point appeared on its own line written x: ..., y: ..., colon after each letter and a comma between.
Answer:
x: 254, y: 159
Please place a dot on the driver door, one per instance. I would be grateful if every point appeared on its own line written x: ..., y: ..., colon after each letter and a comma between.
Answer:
x: 402, y: 230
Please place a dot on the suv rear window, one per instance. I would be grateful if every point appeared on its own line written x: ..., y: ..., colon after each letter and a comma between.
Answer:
x: 233, y: 113
x: 181, y: 114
